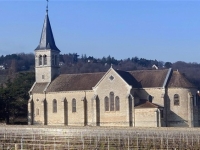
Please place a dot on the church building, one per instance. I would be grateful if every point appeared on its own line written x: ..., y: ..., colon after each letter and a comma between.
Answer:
x: 141, y: 98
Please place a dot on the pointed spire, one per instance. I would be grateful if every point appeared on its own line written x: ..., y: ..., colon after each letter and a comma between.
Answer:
x: 47, y: 39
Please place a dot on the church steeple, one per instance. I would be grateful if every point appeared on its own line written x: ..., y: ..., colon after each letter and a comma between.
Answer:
x: 46, y: 54
x: 47, y: 39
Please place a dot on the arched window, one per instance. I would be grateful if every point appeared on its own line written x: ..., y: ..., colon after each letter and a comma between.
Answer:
x: 56, y: 60
x: 54, y: 106
x: 176, y: 99
x: 112, y: 103
x: 45, y: 59
x: 52, y: 60
x: 40, y: 60
x: 106, y: 102
x: 117, y: 103
x: 193, y: 99
x: 73, y: 105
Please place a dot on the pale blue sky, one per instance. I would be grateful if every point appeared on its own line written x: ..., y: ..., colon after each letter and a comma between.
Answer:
x: 162, y: 30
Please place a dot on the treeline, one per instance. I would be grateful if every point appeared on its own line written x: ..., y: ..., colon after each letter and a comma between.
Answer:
x: 74, y: 63
x: 14, y: 97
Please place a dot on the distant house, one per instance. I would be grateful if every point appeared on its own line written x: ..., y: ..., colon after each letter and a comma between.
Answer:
x: 144, y: 98
x: 2, y: 67
x: 61, y: 63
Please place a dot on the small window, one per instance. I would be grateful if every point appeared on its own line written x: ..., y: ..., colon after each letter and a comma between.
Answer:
x: 150, y: 98
x: 117, y: 107
x: 176, y: 100
x: 43, y: 77
x: 106, y: 103
x: 45, y: 59
x: 54, y: 106
x: 112, y: 103
x: 193, y: 99
x: 40, y: 60
x: 73, y: 105
x: 111, y: 78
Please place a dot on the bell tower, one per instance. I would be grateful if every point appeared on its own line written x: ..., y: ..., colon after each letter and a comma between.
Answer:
x: 46, y: 54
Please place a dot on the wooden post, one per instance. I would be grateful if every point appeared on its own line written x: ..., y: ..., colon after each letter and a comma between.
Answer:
x: 16, y: 146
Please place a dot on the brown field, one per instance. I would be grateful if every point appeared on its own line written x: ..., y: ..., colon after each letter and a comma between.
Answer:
x: 97, y: 138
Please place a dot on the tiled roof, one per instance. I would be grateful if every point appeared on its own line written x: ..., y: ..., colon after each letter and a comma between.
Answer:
x: 137, y: 79
x: 178, y: 80
x: 74, y: 82
x: 150, y: 78
x: 147, y: 104
x: 39, y: 87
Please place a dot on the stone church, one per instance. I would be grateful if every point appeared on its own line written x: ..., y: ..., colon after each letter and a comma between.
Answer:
x: 141, y: 98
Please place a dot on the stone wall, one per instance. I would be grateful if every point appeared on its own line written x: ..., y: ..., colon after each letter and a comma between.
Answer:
x: 147, y: 117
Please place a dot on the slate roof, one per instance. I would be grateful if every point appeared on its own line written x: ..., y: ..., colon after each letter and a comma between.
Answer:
x: 179, y: 80
x: 129, y: 78
x: 147, y: 104
x: 39, y: 87
x: 47, y: 39
x: 74, y: 82
x: 150, y: 78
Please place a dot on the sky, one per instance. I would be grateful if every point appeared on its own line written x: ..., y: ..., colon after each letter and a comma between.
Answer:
x: 165, y: 30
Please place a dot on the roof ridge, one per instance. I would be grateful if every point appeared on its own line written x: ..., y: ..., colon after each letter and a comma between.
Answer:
x: 82, y: 73
x: 147, y: 70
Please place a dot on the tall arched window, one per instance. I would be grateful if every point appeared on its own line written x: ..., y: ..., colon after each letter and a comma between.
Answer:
x: 73, y: 105
x: 40, y: 60
x: 176, y: 99
x: 54, y: 106
x: 45, y: 59
x: 106, y: 103
x: 56, y: 59
x: 112, y: 102
x: 52, y: 60
x: 117, y: 103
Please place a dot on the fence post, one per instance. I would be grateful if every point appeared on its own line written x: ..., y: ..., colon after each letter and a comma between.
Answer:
x: 128, y: 142
x: 161, y: 143
x: 16, y: 146
x: 167, y: 141
x: 108, y: 143
x: 22, y: 143
x: 54, y: 144
x: 83, y: 142
x: 68, y: 143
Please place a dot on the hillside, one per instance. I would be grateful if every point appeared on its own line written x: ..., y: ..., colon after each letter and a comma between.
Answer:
x: 73, y: 63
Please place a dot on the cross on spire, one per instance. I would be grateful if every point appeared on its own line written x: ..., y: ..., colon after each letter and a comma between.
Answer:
x: 47, y: 6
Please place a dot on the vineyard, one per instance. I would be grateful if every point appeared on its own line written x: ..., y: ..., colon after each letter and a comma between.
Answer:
x: 97, y: 138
